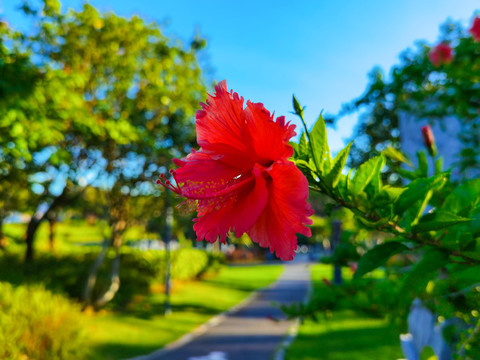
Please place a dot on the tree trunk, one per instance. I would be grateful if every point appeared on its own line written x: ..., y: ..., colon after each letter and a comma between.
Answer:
x: 167, y: 238
x: 119, y: 225
x: 92, y: 276
x: 114, y: 277
x: 30, y: 237
x: 37, y: 219
x: 52, y: 222
x: 114, y: 282
x: 3, y: 239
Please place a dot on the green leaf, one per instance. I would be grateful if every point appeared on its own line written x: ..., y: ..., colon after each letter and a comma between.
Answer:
x: 410, y: 175
x: 303, y: 164
x: 377, y: 176
x: 338, y: 165
x: 463, y: 198
x: 295, y: 149
x: 471, y: 274
x: 422, y: 164
x: 378, y: 256
x: 349, y: 182
x: 473, y: 254
x: 438, y: 165
x: 420, y: 209
x: 416, y: 191
x: 396, y: 155
x: 342, y: 185
x: 423, y: 271
x: 318, y: 139
x: 303, y: 146
x: 437, y: 221
x: 364, y: 174
x: 389, y: 193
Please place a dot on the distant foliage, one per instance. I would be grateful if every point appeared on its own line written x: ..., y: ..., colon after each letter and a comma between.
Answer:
x: 431, y: 82
x: 432, y: 222
x: 37, y: 325
x: 139, y: 270
x: 188, y: 263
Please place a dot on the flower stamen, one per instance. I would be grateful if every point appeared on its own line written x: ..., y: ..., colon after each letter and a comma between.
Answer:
x: 168, y: 184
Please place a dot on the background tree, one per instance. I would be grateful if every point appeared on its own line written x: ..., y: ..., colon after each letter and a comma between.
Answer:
x: 426, y: 91
x: 92, y: 101
x: 33, y: 102
x: 138, y: 87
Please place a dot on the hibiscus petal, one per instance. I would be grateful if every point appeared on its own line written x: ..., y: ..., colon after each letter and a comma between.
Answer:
x: 237, y: 211
x: 286, y: 213
x: 232, y: 157
x: 221, y: 120
x: 269, y: 138
x: 200, y: 166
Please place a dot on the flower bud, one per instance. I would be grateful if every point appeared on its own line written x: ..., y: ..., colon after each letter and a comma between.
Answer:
x: 429, y: 140
x: 475, y: 29
x: 296, y: 106
x: 440, y: 55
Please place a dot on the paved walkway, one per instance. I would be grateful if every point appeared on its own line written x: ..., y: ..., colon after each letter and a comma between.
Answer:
x: 247, y: 333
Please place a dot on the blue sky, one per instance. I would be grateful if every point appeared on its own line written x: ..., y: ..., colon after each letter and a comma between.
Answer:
x: 319, y: 50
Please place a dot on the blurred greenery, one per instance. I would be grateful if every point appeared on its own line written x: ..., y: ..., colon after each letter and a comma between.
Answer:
x: 430, y: 241
x: 417, y: 87
x: 343, y: 334
x: 93, y: 107
x: 140, y: 271
x: 126, y: 329
x: 141, y: 328
x: 37, y: 325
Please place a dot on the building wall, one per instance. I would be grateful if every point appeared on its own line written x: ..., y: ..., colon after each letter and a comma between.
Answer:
x: 446, y: 139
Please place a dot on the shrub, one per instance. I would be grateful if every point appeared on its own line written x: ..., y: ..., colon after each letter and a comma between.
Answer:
x: 188, y: 263
x: 215, y: 262
x: 36, y: 324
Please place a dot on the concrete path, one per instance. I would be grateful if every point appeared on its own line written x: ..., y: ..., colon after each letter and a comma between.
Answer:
x: 247, y: 333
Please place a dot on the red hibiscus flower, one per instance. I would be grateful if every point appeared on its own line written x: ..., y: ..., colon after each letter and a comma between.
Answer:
x: 241, y: 179
x: 475, y: 29
x: 441, y: 54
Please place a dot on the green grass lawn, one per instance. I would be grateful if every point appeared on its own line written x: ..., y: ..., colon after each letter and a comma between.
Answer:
x: 142, y: 328
x: 68, y: 235
x: 346, y: 335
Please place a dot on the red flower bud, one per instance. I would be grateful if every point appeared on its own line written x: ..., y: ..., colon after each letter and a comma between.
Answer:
x: 475, y: 29
x: 429, y: 140
x: 441, y: 54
